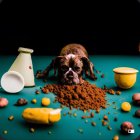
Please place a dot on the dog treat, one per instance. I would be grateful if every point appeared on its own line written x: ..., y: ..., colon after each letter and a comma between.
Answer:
x: 21, y: 102
x: 42, y: 115
x: 3, y: 102
x: 136, y: 98
x: 137, y: 113
x: 126, y: 106
x: 45, y: 101
x: 82, y: 96
x: 126, y: 126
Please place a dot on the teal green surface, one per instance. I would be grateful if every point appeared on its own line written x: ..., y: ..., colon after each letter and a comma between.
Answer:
x: 67, y: 127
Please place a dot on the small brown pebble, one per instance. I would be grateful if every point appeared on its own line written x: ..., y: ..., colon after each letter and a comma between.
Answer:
x: 104, y: 123
x: 111, y: 91
x: 105, y: 117
x: 116, y: 137
x: 93, y: 123
x: 136, y: 98
x: 137, y: 113
x: 118, y: 92
x: 92, y: 114
x: 108, y: 113
x: 21, y: 102
x: 37, y: 92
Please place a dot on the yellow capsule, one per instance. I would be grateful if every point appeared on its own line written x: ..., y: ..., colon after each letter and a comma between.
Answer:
x: 126, y: 106
x: 45, y: 101
x: 34, y: 101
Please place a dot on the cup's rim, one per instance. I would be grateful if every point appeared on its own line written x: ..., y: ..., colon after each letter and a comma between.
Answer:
x: 12, y: 73
x: 125, y: 70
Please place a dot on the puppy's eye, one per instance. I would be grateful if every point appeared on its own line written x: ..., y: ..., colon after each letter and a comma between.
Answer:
x: 76, y: 68
x: 64, y: 68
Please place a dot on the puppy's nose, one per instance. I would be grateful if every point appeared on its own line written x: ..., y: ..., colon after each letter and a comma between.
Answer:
x: 70, y: 74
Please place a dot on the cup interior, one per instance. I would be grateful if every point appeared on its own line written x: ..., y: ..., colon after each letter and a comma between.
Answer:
x: 12, y: 82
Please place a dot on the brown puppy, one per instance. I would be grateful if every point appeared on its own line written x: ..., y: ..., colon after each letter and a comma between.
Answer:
x: 71, y: 63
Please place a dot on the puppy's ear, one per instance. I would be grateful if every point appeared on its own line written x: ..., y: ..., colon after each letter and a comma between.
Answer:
x: 56, y: 62
x: 86, y: 62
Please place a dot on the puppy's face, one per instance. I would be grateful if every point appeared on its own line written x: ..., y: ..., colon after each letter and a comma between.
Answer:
x: 70, y: 69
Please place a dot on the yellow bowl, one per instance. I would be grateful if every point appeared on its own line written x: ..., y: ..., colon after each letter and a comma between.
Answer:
x: 125, y: 77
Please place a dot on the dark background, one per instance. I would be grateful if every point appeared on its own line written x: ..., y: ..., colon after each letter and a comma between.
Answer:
x: 102, y: 27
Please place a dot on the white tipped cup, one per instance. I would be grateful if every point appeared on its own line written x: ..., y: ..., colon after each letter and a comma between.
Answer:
x: 23, y: 65
x: 12, y: 82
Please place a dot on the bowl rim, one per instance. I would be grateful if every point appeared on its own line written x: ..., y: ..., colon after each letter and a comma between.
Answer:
x: 12, y: 73
x: 125, y: 70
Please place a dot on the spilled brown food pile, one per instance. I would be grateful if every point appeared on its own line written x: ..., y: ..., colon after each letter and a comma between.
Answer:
x: 83, y: 96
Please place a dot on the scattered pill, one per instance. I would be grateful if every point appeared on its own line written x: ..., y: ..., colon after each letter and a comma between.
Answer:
x: 11, y: 118
x: 34, y: 101
x: 5, y: 132
x: 126, y: 106
x: 45, y: 101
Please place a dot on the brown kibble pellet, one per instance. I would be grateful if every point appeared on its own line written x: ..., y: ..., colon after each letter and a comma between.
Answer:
x: 83, y: 96
x: 92, y: 114
x: 118, y: 92
x: 105, y: 117
x: 37, y: 92
x: 104, y: 123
